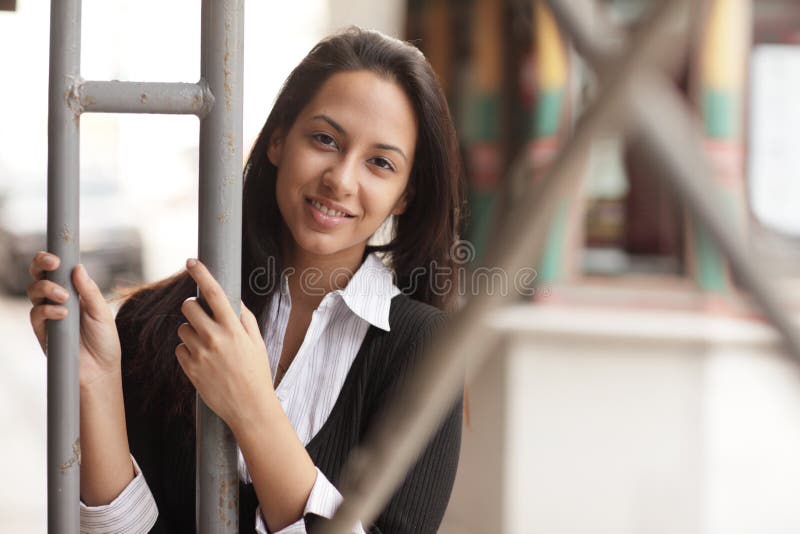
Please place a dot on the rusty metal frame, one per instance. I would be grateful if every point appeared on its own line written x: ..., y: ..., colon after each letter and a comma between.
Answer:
x: 659, y: 117
x: 219, y: 228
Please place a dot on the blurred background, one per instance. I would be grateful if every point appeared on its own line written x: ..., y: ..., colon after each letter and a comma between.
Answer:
x: 638, y: 391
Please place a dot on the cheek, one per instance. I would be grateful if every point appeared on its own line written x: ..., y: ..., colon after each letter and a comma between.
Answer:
x: 292, y: 176
x: 284, y: 194
x: 381, y: 200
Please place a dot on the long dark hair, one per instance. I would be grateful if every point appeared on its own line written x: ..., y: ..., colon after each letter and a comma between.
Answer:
x: 419, y: 251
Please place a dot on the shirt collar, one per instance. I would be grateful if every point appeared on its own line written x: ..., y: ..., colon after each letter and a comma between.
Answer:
x: 369, y: 292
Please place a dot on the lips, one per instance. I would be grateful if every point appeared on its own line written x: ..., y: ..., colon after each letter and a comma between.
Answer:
x: 324, y: 220
x: 329, y: 210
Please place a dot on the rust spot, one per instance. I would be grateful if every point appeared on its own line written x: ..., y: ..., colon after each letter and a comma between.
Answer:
x: 74, y: 459
x: 222, y: 218
x: 223, y: 490
x: 143, y: 98
x: 230, y: 143
x: 91, y: 101
x: 197, y: 102
x: 226, y: 68
x: 72, y: 98
x: 66, y: 233
x: 228, y: 91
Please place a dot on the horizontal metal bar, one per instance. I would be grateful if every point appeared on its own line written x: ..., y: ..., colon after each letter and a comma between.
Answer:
x: 144, y: 97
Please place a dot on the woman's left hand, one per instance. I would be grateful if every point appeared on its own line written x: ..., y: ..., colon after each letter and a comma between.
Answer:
x: 224, y: 356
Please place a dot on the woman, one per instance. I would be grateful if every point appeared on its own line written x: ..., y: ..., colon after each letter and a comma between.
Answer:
x: 360, y: 133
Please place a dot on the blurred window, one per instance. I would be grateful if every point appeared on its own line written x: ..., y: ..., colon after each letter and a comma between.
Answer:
x: 774, y: 158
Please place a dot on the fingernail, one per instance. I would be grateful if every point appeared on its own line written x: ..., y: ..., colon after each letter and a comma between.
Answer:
x: 191, y: 262
x: 60, y: 293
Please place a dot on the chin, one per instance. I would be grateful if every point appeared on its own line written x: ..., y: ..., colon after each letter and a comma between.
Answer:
x: 321, y: 245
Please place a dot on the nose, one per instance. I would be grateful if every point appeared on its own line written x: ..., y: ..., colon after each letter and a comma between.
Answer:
x: 342, y: 179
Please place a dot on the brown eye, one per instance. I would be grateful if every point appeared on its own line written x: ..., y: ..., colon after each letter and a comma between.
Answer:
x: 383, y: 163
x: 325, y: 139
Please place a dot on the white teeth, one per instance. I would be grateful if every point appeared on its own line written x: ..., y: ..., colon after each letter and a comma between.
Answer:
x: 326, y: 210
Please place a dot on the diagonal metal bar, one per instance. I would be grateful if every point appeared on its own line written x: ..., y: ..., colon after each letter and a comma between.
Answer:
x: 664, y: 128
x: 377, y: 468
x: 673, y: 144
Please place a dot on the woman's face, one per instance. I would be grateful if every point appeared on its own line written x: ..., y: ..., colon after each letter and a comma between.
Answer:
x: 344, y: 165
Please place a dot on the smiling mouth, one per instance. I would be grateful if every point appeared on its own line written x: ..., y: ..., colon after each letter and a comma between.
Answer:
x: 327, y: 211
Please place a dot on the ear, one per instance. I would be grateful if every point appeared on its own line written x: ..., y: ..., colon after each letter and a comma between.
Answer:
x: 402, y: 203
x: 275, y: 148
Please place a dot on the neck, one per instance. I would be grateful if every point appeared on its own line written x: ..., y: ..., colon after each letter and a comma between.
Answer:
x: 316, y: 275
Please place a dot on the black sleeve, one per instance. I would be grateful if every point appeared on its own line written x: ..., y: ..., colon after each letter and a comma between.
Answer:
x: 419, y: 504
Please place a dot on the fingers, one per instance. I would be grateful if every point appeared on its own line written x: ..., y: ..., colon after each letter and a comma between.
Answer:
x: 42, y: 290
x: 250, y: 324
x: 190, y: 337
x: 184, y: 356
x: 39, y: 316
x: 212, y: 292
x: 43, y: 261
x: 198, y: 318
x: 92, y: 301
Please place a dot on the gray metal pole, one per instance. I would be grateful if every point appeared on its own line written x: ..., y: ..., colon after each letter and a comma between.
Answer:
x: 220, y: 238
x: 144, y: 97
x: 63, y: 143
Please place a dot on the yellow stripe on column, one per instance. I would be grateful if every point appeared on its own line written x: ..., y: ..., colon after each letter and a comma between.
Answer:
x: 724, y: 45
x: 551, y: 67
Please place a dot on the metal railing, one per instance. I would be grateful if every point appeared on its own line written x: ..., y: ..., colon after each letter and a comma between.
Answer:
x: 654, y: 112
x: 658, y: 116
x: 217, y: 101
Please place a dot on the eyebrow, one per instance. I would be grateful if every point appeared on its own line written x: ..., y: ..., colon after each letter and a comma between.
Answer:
x: 338, y: 127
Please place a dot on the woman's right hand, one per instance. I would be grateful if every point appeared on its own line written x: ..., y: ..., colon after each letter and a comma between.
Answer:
x: 99, y: 340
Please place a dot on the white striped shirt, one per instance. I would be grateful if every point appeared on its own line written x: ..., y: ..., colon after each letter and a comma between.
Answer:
x: 307, y: 392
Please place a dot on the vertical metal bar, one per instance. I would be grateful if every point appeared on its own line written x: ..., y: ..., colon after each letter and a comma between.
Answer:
x: 63, y: 146
x: 220, y: 230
